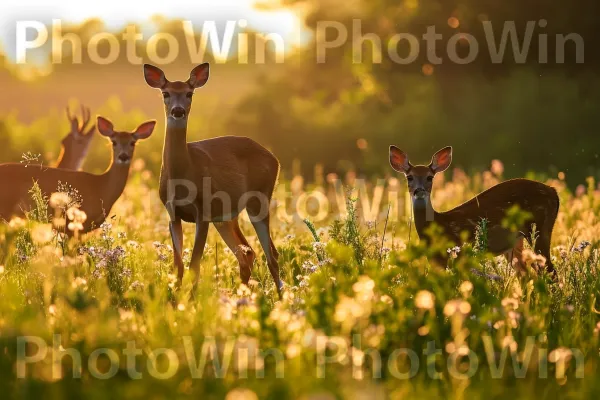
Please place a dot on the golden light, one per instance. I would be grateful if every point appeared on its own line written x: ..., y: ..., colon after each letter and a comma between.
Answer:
x: 116, y: 15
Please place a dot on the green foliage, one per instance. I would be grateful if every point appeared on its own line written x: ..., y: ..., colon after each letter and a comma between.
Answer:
x: 39, y: 212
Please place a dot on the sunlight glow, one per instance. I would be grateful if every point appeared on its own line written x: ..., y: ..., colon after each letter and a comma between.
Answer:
x: 116, y: 14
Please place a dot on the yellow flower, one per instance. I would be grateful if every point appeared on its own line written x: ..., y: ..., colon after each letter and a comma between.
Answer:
x: 466, y: 288
x: 425, y: 300
x: 42, y: 234
x: 458, y: 306
x: 17, y: 223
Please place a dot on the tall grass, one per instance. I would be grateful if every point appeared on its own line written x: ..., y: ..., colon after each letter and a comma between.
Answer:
x: 117, y: 286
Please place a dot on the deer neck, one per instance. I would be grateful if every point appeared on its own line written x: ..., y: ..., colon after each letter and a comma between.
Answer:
x: 115, y: 179
x: 175, y: 161
x: 423, y: 213
x: 66, y: 160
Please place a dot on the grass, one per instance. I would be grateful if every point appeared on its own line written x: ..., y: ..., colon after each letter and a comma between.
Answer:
x: 354, y: 318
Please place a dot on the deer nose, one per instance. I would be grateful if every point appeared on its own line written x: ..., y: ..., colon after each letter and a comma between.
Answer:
x: 123, y: 157
x: 420, y: 193
x: 178, y: 112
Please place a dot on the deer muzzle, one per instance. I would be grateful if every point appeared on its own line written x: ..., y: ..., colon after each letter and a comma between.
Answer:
x: 178, y: 112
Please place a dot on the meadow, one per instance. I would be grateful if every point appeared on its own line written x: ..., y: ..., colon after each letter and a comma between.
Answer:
x: 363, y: 315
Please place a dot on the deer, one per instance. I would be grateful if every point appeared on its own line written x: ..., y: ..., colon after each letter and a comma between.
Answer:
x: 538, y: 200
x: 213, y: 181
x: 98, y: 192
x: 75, y: 145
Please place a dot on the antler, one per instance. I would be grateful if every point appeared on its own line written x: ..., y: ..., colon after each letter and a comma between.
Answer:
x: 72, y: 120
x: 85, y: 115
x: 85, y: 119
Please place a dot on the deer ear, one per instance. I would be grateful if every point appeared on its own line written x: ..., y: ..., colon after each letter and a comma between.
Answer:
x: 144, y: 130
x: 441, y: 160
x: 199, y: 76
x: 105, y: 127
x: 154, y: 76
x: 399, y: 160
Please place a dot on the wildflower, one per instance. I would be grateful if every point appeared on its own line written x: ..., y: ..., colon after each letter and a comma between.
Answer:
x: 241, y: 394
x: 59, y: 200
x: 322, y: 232
x: 560, y: 354
x: 309, y: 266
x: 245, y: 249
x: 497, y: 168
x: 75, y: 226
x: 581, y: 246
x: 172, y: 279
x: 52, y: 309
x: 42, y: 234
x: 509, y: 303
x: 121, y: 235
x: 364, y: 287
x: 318, y: 246
x: 135, y: 285
x: 423, y: 330
x: 289, y: 238
x: 17, y: 223
x: 457, y: 307
x: 370, y: 224
x: 76, y: 215
x: 78, y: 282
x: 453, y: 252
x: 181, y: 307
x: 133, y: 244
x: 466, y: 287
x: 425, y: 300
x: 510, y: 343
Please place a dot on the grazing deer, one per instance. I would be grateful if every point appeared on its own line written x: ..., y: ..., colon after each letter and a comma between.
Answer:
x: 76, y: 144
x: 98, y: 192
x: 539, y: 200
x: 237, y: 171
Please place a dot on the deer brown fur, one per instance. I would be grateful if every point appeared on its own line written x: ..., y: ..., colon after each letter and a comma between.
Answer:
x: 196, y: 177
x: 98, y: 192
x: 540, y: 201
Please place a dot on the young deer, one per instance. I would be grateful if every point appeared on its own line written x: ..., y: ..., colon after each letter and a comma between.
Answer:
x: 236, y: 170
x: 98, y: 192
x: 76, y: 144
x: 539, y: 200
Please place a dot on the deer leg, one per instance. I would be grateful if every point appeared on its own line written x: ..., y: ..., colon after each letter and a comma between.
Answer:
x: 199, y: 242
x: 516, y: 256
x: 542, y: 246
x: 232, y: 235
x: 177, y: 238
x: 262, y: 230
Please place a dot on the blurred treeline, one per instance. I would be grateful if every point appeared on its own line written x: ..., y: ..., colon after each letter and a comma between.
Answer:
x: 344, y: 115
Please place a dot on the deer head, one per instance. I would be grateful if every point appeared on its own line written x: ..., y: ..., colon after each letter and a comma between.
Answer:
x: 420, y: 177
x: 123, y: 143
x: 177, y: 95
x: 77, y: 142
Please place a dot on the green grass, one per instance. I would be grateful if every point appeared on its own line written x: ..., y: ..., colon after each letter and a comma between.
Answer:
x: 345, y: 296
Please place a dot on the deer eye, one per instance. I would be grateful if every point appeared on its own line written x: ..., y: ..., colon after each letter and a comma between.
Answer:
x: 410, y: 178
x: 166, y: 95
x: 189, y: 95
x: 430, y: 178
x: 114, y: 143
x: 132, y: 144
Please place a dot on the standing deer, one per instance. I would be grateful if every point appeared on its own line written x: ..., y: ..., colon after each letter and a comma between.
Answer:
x: 98, y: 192
x: 539, y: 200
x: 76, y: 144
x: 238, y: 171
